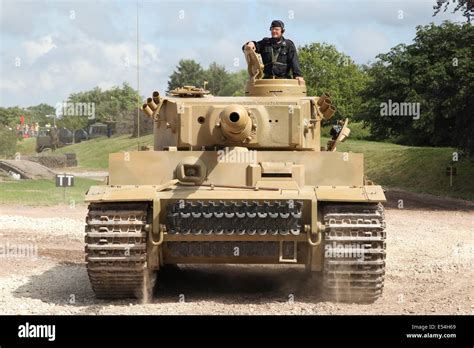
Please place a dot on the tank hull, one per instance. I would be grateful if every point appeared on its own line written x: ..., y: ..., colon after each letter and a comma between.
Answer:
x: 249, y: 213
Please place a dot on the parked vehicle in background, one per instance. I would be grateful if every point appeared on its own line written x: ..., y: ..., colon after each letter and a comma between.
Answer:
x: 47, y: 139
x: 80, y: 135
x: 65, y: 135
x: 99, y: 129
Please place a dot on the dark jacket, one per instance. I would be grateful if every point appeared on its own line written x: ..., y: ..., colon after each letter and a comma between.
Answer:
x: 280, y: 59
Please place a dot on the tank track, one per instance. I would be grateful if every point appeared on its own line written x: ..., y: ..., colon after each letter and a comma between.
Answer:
x: 228, y: 217
x: 116, y: 249
x: 354, y: 262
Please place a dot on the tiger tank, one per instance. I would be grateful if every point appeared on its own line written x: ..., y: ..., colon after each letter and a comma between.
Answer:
x: 238, y: 180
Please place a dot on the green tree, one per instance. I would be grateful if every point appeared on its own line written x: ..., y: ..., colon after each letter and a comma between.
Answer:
x: 188, y: 72
x: 11, y: 116
x: 110, y: 105
x: 220, y: 82
x: 38, y: 113
x: 466, y: 6
x: 235, y: 84
x: 325, y: 69
x: 216, y: 77
x: 436, y: 71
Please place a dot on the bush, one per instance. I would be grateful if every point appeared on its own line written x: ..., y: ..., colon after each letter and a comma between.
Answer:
x: 7, y: 142
x: 358, y: 131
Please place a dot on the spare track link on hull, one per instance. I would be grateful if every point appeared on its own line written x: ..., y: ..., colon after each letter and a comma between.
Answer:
x: 280, y: 217
x: 116, y: 249
x: 354, y: 262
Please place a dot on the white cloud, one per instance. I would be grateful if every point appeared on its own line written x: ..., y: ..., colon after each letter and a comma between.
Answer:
x: 12, y: 85
x: 82, y: 70
x: 98, y: 47
x: 46, y: 80
x: 224, y: 51
x: 151, y: 57
x: 117, y: 54
x: 36, y: 49
x: 365, y: 43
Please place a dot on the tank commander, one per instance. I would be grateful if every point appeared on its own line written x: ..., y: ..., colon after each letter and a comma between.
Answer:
x: 279, y: 54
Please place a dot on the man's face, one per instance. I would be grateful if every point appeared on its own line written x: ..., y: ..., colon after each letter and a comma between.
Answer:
x: 276, y: 32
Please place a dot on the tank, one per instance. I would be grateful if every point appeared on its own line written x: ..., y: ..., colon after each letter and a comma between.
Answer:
x: 238, y: 180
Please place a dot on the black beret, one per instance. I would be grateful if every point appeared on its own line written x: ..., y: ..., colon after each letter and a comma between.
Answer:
x: 277, y: 23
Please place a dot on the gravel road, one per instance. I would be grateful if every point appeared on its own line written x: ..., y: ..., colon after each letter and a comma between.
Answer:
x: 430, y: 270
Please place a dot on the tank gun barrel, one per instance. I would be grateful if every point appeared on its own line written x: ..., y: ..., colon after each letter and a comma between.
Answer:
x: 235, y: 123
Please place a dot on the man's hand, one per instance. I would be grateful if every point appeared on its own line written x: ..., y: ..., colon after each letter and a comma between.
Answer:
x: 299, y: 79
x: 251, y: 45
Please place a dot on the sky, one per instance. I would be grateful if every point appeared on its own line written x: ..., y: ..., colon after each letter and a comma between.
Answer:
x: 52, y: 48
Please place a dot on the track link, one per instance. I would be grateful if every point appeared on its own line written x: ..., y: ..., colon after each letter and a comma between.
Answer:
x: 354, y: 262
x: 116, y: 249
